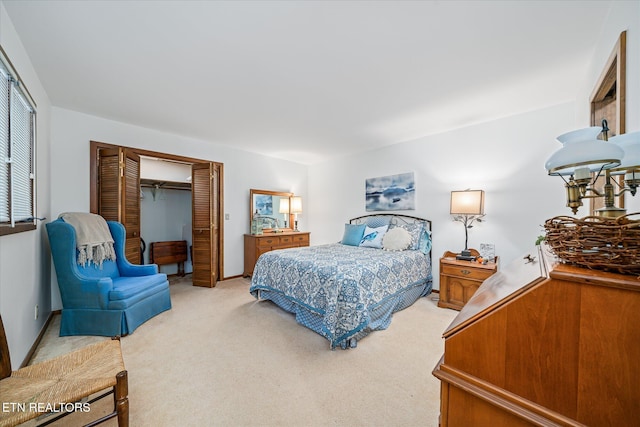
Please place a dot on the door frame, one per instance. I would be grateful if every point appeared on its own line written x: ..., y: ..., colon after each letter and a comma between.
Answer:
x: 610, y: 96
x: 95, y: 146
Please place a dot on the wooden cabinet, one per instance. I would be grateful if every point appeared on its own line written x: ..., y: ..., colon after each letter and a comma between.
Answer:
x: 544, y: 343
x: 257, y: 244
x: 171, y: 252
x: 459, y: 280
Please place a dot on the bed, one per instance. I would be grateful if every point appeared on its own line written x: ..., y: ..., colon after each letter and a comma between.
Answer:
x: 346, y: 290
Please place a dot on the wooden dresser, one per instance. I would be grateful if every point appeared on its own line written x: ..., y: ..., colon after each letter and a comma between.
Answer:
x: 543, y: 343
x: 459, y: 280
x: 257, y: 244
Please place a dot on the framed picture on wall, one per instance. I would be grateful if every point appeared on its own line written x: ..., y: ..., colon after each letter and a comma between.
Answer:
x: 390, y: 193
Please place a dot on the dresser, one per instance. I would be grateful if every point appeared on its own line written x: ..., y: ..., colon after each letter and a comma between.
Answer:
x: 459, y: 279
x: 544, y: 343
x: 257, y: 244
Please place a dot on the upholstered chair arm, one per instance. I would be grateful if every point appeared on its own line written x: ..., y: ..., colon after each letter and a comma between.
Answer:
x: 124, y: 266
x: 133, y: 270
x: 86, y: 292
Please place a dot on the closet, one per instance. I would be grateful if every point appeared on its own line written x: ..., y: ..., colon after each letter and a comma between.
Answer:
x: 166, y: 214
x: 117, y: 187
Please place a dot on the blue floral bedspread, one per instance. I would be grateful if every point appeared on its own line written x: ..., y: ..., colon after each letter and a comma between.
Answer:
x: 342, y: 292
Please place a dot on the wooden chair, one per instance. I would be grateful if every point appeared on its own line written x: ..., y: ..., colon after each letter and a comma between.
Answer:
x: 63, y: 384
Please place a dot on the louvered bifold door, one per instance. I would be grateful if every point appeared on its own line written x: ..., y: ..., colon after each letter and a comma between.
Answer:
x: 119, y: 195
x: 204, y: 192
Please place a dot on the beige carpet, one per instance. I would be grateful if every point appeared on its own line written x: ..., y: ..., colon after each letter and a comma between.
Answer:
x: 220, y: 358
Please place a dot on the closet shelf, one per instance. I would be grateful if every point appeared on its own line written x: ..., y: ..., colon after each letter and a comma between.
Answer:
x: 166, y: 185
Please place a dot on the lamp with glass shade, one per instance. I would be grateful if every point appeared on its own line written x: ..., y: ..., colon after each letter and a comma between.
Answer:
x: 583, y: 154
x: 630, y: 166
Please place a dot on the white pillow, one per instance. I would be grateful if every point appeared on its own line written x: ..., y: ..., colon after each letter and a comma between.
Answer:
x: 396, y: 239
x: 372, y: 237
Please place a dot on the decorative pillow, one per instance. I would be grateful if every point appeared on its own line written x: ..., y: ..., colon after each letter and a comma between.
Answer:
x: 425, y: 242
x: 415, y: 230
x: 352, y: 234
x: 396, y: 239
x: 373, y: 237
x: 377, y: 221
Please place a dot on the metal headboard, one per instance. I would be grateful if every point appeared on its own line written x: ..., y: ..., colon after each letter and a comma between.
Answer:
x: 394, y: 219
x: 397, y: 219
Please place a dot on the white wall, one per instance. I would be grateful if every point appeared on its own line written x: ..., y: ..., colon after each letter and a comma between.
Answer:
x: 162, y: 170
x: 70, y: 135
x: 24, y: 257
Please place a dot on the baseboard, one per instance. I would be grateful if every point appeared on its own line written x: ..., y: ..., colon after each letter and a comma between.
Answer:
x: 35, y: 345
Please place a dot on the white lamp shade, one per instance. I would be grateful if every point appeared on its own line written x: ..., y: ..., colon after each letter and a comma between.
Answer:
x: 296, y: 204
x: 581, y: 148
x: 284, y: 205
x: 630, y: 144
x: 467, y: 202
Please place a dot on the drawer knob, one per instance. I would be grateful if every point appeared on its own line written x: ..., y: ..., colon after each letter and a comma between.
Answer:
x: 465, y: 272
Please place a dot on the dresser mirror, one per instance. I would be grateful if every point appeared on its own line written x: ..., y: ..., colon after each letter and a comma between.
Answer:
x: 271, y: 210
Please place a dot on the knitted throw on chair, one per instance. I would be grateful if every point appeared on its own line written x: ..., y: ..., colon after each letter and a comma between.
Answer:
x: 93, y: 238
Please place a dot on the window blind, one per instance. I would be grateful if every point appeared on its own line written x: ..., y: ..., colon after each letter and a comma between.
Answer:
x: 17, y: 146
x: 5, y: 89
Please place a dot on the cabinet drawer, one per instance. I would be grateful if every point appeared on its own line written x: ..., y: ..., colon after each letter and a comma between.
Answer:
x: 302, y: 240
x: 466, y: 272
x: 268, y: 241
x: 285, y: 240
x: 262, y: 250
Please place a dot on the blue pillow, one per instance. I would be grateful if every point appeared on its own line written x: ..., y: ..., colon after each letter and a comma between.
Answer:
x: 425, y: 242
x: 373, y: 237
x: 352, y: 234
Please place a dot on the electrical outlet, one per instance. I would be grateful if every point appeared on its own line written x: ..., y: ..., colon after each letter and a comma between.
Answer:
x: 35, y: 315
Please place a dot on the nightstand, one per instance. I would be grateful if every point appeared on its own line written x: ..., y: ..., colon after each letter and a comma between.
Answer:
x: 459, y: 280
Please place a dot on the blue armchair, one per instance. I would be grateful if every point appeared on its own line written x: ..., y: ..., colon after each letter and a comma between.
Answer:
x: 110, y: 300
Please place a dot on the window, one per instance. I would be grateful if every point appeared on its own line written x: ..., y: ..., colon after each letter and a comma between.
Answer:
x: 17, y: 153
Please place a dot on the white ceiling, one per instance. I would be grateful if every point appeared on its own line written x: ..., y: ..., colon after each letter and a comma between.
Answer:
x: 308, y: 80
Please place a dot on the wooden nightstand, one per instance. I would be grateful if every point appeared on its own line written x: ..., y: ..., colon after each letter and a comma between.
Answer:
x: 459, y: 280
